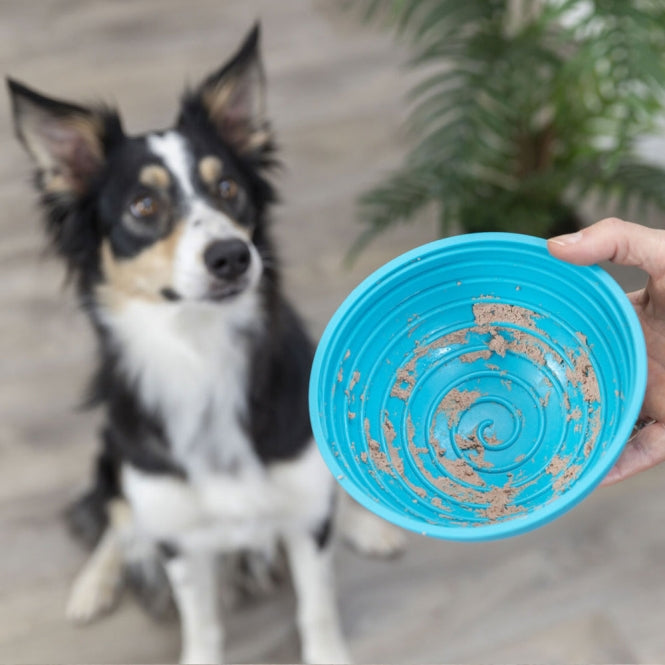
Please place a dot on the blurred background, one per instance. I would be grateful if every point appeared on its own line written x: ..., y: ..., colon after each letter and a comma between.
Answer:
x: 545, y: 114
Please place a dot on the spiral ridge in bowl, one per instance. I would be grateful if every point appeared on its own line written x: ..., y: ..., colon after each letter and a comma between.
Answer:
x: 477, y: 387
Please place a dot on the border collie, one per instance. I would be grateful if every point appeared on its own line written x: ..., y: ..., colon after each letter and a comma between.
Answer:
x: 203, y: 365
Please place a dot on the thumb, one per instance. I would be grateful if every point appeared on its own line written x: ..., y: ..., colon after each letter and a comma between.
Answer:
x: 614, y: 240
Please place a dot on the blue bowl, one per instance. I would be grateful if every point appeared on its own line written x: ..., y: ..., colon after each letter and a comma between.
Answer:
x: 476, y: 387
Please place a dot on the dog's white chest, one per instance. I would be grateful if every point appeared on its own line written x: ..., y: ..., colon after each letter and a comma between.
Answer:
x: 190, y: 366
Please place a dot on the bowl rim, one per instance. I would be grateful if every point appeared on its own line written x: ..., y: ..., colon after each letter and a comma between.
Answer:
x: 520, y: 523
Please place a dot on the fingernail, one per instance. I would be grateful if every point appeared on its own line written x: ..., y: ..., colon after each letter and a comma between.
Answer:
x: 568, y: 239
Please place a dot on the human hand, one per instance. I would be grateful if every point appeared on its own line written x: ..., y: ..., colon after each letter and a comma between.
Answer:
x: 632, y: 245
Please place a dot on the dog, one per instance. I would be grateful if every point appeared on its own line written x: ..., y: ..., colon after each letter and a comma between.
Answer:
x: 203, y: 364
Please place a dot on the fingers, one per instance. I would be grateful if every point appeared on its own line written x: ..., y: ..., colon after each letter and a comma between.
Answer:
x: 644, y: 450
x: 614, y: 240
x: 629, y: 245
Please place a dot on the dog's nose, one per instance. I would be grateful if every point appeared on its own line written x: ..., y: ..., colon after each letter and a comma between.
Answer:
x: 227, y: 259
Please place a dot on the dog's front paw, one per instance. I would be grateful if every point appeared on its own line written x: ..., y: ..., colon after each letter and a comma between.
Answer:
x: 326, y: 652
x: 369, y: 534
x: 196, y: 656
x: 91, y: 596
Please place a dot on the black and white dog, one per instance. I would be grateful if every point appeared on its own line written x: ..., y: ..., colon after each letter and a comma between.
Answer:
x: 203, y: 366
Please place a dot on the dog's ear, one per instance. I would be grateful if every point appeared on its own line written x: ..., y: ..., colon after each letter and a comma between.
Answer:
x: 233, y: 99
x: 68, y: 142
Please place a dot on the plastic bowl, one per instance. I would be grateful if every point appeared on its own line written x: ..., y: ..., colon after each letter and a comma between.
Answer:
x: 476, y: 387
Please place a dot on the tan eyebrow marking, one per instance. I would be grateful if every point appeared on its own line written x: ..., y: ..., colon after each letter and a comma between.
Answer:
x: 154, y: 175
x: 210, y: 169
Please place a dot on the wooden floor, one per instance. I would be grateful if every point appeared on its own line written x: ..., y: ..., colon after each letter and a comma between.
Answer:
x: 588, y: 588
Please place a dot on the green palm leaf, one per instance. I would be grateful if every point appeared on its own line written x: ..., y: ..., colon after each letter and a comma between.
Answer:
x: 517, y: 118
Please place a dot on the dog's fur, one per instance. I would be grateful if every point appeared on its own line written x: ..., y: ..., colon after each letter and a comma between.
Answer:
x: 203, y: 366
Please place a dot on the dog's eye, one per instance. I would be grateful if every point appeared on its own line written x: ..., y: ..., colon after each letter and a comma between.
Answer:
x: 144, y: 206
x: 228, y: 189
